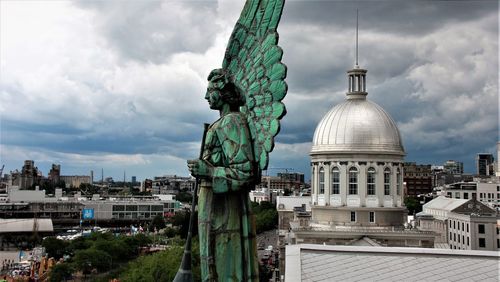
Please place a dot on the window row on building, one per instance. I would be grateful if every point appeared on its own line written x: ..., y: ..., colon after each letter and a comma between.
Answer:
x: 353, y: 181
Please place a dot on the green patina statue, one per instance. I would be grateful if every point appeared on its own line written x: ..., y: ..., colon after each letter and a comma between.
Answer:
x: 247, y: 91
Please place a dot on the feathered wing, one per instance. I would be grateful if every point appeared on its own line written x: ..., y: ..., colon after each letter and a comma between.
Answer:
x: 253, y: 63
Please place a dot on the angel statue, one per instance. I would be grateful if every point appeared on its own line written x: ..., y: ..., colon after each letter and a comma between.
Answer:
x: 247, y: 91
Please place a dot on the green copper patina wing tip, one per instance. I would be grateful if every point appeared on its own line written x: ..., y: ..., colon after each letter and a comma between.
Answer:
x: 253, y: 63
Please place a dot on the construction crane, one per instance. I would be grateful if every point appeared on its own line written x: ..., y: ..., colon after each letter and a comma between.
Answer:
x: 286, y: 169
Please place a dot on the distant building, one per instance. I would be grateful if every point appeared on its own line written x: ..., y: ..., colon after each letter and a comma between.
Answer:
x: 259, y: 196
x: 29, y: 176
x: 291, y: 176
x: 146, y: 185
x: 453, y: 167
x: 497, y: 173
x: 68, y: 210
x: 171, y: 184
x: 134, y: 180
x: 418, y: 179
x: 460, y: 224
x: 55, y: 173
x: 75, y: 180
x: 487, y: 192
x: 292, y: 183
x: 484, y: 164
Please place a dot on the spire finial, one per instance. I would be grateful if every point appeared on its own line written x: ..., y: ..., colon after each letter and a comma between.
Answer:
x: 357, y: 66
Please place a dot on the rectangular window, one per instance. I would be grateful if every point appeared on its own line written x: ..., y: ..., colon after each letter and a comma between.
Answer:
x: 498, y: 243
x: 466, y: 195
x: 353, y: 182
x: 387, y: 183
x: 131, y: 208
x: 144, y: 208
x: 335, y: 181
x: 372, y: 217
x: 463, y: 228
x: 450, y: 236
x: 353, y: 216
x: 370, y: 182
x: 481, y: 228
x: 322, y: 181
x: 482, y: 243
x: 157, y: 208
x: 467, y: 241
x: 118, y: 208
x: 454, y: 237
x: 457, y: 195
x: 467, y: 227
x: 463, y: 239
x: 454, y: 227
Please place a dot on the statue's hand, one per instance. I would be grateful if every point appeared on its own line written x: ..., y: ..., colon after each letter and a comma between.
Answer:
x: 200, y: 168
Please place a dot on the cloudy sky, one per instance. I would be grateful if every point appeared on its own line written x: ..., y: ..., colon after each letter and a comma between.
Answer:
x: 119, y: 85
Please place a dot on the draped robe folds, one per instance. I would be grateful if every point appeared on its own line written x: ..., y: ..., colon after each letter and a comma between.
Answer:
x: 226, y: 226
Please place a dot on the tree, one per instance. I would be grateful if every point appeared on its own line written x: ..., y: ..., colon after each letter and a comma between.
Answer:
x: 60, y: 272
x: 157, y: 223
x: 413, y: 205
x: 54, y: 247
x: 86, y: 260
x: 161, y: 266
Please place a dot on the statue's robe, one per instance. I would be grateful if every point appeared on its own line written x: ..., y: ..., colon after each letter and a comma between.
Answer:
x: 226, y: 226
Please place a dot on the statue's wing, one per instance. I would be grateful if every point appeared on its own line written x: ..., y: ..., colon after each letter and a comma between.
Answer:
x: 253, y: 63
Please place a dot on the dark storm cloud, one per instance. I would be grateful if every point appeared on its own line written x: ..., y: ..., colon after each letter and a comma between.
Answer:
x: 123, y: 81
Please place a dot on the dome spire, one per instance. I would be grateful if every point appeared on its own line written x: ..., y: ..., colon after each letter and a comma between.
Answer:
x: 356, y: 66
x: 357, y: 76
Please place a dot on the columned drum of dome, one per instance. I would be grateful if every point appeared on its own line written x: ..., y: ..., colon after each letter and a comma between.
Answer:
x: 357, y: 162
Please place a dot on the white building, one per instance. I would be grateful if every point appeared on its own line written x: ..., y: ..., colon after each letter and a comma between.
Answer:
x: 357, y: 163
x: 486, y: 191
x: 460, y: 224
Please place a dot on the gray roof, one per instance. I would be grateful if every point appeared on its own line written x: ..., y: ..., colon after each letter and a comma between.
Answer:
x: 16, y: 225
x: 357, y: 125
x: 352, y: 263
x: 444, y: 203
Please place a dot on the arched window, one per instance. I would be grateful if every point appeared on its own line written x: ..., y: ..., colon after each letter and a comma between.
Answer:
x: 321, y: 181
x: 398, y: 182
x: 353, y: 181
x: 387, y: 181
x: 370, y: 181
x: 335, y: 181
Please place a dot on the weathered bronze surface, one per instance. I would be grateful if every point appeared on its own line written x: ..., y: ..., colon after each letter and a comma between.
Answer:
x: 247, y: 91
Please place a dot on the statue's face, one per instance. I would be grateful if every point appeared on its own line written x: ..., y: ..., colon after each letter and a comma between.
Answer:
x: 213, y: 95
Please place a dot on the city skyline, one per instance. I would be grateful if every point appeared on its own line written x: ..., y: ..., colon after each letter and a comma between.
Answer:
x: 120, y: 86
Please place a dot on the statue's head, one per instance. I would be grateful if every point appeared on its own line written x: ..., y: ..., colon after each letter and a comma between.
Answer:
x: 222, y: 91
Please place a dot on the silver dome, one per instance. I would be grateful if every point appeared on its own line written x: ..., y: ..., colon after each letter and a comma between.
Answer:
x: 357, y: 126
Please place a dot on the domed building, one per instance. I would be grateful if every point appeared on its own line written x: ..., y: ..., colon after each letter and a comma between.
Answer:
x: 357, y: 163
x: 357, y: 177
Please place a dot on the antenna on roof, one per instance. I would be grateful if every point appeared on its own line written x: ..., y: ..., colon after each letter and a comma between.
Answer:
x: 357, y: 66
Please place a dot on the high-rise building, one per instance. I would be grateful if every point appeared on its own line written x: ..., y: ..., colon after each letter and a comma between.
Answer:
x: 484, y: 164
x: 453, y: 167
x: 418, y: 179
x: 134, y: 180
